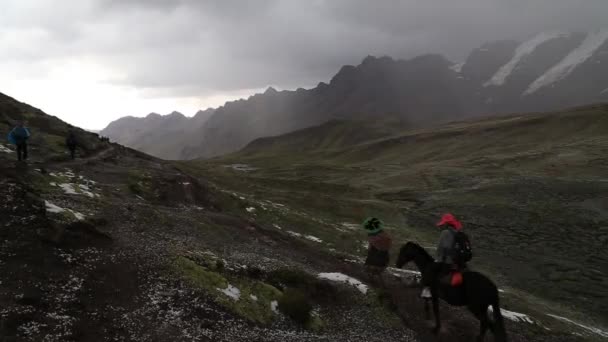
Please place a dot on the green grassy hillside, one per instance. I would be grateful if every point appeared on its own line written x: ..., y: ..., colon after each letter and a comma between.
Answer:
x: 333, y: 135
x: 531, y: 190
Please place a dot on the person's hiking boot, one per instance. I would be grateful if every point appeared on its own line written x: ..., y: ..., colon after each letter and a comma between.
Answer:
x: 426, y: 293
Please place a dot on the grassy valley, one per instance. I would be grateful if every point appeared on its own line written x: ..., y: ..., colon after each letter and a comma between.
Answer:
x: 529, y: 188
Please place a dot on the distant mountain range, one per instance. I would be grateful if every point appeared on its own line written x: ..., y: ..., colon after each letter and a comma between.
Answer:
x: 552, y: 70
x: 163, y: 136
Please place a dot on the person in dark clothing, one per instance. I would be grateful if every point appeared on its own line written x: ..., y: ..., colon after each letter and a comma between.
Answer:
x: 19, y: 137
x: 446, y: 265
x: 72, y: 143
x: 379, y: 245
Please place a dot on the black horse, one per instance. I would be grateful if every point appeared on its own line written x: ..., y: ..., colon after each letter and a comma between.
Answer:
x: 477, y: 292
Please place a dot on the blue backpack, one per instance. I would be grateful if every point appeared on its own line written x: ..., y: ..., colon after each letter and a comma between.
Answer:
x: 11, y: 139
x: 17, y: 134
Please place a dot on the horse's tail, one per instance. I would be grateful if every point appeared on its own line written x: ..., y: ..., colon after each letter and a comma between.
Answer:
x: 500, y: 334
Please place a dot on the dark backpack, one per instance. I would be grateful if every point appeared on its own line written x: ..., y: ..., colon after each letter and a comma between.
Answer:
x: 463, y: 252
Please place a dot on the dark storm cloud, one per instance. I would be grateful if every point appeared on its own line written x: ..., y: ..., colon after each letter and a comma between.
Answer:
x: 191, y: 47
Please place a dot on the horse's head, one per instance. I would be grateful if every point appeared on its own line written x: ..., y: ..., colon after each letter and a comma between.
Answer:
x: 408, y: 252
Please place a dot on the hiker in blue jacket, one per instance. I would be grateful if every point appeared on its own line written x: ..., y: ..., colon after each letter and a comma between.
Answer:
x: 19, y: 136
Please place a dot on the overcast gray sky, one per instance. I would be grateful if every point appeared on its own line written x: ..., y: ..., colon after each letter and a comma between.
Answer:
x: 92, y: 61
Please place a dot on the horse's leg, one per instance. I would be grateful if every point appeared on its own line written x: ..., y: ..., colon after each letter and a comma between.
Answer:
x: 427, y: 310
x: 435, y: 294
x: 484, y: 323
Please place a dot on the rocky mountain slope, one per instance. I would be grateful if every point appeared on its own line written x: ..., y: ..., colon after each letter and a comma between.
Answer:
x: 550, y: 71
x: 120, y: 246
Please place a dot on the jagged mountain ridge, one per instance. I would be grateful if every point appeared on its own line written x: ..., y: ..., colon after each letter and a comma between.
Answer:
x: 550, y: 71
x: 158, y: 135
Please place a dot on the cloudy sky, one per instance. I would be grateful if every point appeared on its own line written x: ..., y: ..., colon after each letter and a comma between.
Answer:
x: 93, y: 61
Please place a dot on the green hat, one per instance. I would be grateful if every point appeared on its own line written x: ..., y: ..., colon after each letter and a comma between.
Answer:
x: 373, y: 225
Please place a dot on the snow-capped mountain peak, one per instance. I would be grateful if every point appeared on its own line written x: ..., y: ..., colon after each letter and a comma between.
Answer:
x: 578, y: 56
x: 522, y: 51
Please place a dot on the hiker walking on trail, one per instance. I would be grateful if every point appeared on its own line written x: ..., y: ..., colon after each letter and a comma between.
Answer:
x: 378, y: 248
x: 19, y: 137
x: 453, y: 252
x: 72, y: 143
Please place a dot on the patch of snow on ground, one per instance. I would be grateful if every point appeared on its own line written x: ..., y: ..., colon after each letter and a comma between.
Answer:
x: 522, y: 51
x: 77, y: 189
x: 596, y: 331
x: 77, y: 215
x: 365, y: 244
x: 399, y: 271
x: 231, y: 292
x: 514, y: 316
x: 68, y: 188
x: 250, y: 210
x: 276, y: 205
x: 313, y: 238
x: 254, y: 298
x: 351, y: 226
x: 274, y: 306
x: 353, y: 261
x: 81, y: 188
x: 5, y: 149
x: 343, y: 278
x: 242, y: 167
x: 277, y: 227
x: 578, y: 56
x: 51, y: 208
x: 294, y: 234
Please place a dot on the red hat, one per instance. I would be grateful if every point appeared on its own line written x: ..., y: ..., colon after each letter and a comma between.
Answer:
x: 449, y: 219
